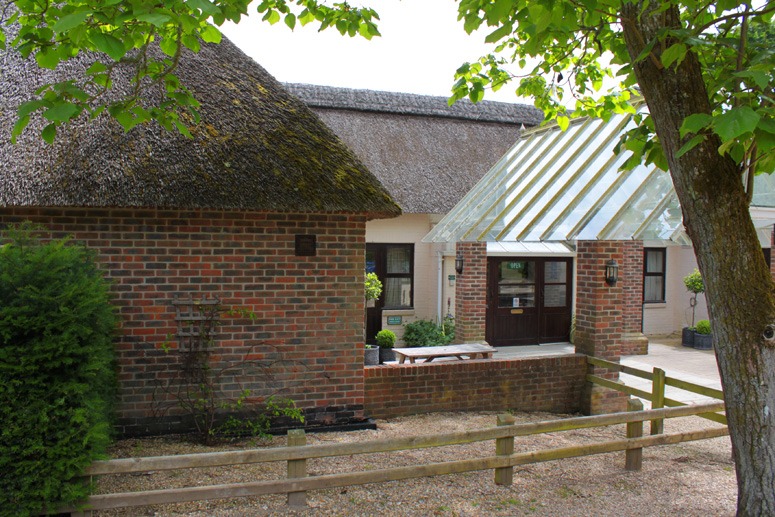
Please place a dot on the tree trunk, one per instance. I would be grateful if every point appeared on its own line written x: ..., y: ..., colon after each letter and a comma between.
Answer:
x: 739, y: 286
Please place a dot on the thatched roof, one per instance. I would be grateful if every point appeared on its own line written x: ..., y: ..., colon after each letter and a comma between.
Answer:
x: 256, y: 148
x: 426, y: 153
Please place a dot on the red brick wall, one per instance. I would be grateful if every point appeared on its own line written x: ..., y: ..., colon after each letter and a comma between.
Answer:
x: 551, y: 384
x: 631, y: 278
x: 599, y: 319
x: 309, y: 310
x: 471, y: 293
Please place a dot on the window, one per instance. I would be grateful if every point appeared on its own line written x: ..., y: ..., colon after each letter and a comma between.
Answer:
x: 654, y: 275
x: 394, y: 265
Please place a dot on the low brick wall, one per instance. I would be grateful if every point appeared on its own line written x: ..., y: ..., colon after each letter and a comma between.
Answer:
x: 552, y: 384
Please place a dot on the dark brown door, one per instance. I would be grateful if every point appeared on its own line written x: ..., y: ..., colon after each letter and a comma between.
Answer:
x: 528, y: 300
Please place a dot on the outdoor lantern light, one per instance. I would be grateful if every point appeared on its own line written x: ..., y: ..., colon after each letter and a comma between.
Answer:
x: 611, y: 272
x: 459, y: 264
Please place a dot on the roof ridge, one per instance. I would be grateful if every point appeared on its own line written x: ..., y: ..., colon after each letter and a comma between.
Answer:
x: 333, y: 97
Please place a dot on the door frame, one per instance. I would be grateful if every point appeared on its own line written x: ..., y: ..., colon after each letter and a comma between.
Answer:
x: 537, y: 331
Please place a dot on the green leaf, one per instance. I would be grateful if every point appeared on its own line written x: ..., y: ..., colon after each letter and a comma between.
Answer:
x: 290, y: 21
x: 563, y: 122
x: 695, y: 123
x: 210, y: 34
x: 21, y: 123
x: 49, y: 133
x: 108, y: 44
x: 203, y: 5
x: 736, y: 123
x: 47, y: 58
x: 691, y: 144
x: 70, y: 21
x: 156, y: 19
x: 674, y: 54
x: 183, y: 129
x: 28, y: 107
x: 61, y: 112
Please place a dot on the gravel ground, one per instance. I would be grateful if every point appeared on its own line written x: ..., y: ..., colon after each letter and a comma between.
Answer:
x: 688, y: 479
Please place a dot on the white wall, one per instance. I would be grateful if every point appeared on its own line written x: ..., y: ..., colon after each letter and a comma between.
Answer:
x: 411, y: 228
x: 675, y: 313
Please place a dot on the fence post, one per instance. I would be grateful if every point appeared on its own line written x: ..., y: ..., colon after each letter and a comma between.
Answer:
x: 297, y: 468
x: 505, y: 447
x: 658, y: 399
x: 633, y: 459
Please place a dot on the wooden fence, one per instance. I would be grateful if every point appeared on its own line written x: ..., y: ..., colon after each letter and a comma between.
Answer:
x: 297, y: 453
x: 659, y: 381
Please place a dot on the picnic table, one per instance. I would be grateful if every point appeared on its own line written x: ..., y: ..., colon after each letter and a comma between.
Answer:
x: 429, y: 353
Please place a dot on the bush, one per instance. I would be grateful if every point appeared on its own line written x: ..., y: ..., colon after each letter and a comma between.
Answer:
x: 57, y: 371
x: 372, y: 286
x: 427, y: 333
x: 703, y: 327
x: 386, y: 338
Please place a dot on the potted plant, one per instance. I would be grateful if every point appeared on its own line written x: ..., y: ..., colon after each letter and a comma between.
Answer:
x: 373, y: 288
x: 694, y: 285
x: 370, y: 355
x: 703, y: 339
x: 386, y: 339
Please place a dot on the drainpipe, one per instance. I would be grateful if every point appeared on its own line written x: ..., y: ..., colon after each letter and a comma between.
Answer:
x: 440, y: 287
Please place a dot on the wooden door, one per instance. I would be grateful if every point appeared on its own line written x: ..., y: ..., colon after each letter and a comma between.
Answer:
x: 528, y: 300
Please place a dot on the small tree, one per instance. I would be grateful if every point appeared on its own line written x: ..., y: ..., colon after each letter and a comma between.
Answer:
x: 372, y: 286
x: 694, y: 285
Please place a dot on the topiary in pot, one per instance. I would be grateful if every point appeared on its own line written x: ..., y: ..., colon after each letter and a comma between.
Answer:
x: 370, y: 355
x: 385, y: 340
x: 694, y: 285
x: 703, y: 339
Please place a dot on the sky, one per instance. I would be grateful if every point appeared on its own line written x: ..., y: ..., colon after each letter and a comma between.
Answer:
x: 421, y: 46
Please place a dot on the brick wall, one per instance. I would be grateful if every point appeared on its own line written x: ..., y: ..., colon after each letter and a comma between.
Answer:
x: 308, y: 310
x: 634, y: 342
x: 471, y: 293
x: 599, y: 320
x: 552, y: 384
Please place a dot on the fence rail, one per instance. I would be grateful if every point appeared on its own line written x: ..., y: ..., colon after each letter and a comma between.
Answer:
x: 296, y: 454
x: 657, y: 395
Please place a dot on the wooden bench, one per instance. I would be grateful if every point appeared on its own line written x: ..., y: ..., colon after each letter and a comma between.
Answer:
x: 429, y: 353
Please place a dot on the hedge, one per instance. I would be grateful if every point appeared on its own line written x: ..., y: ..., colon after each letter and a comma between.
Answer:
x: 57, y: 370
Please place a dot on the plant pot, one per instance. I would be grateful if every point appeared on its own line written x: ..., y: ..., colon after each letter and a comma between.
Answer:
x: 687, y: 337
x: 703, y: 341
x: 386, y: 354
x: 371, y: 356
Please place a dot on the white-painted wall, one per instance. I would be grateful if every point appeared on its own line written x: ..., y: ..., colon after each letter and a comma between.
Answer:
x: 675, y: 313
x: 411, y: 228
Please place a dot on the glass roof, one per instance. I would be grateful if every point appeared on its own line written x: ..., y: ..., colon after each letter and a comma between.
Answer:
x: 560, y: 186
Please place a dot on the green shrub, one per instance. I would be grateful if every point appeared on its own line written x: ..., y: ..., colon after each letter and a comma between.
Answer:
x: 703, y: 327
x: 427, y: 333
x: 694, y: 283
x: 385, y: 338
x: 372, y: 286
x: 57, y: 371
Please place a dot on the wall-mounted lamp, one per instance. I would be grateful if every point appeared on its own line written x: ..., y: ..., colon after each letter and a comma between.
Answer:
x: 611, y: 272
x: 459, y: 264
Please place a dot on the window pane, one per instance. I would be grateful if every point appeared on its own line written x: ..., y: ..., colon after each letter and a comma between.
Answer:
x: 398, y: 260
x: 518, y: 271
x: 371, y: 261
x: 554, y: 295
x: 555, y: 273
x: 653, y: 289
x: 398, y: 292
x: 511, y: 295
x: 654, y: 261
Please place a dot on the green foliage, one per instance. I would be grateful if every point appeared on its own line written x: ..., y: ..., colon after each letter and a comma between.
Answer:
x: 57, y: 370
x: 119, y: 32
x: 427, y: 333
x: 259, y: 420
x: 567, y: 49
x: 703, y: 327
x: 372, y: 286
x: 386, y: 338
x: 693, y: 282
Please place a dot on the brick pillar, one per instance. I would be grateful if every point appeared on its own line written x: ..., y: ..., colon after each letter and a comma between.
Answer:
x: 634, y: 342
x: 471, y: 293
x: 599, y: 320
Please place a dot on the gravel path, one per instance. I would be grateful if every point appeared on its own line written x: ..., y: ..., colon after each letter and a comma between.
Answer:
x: 689, y: 479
